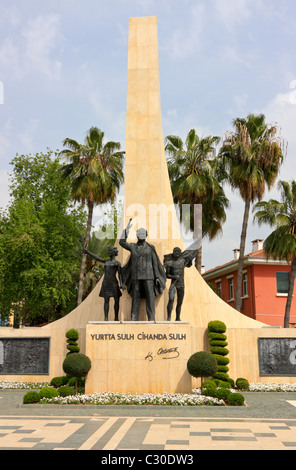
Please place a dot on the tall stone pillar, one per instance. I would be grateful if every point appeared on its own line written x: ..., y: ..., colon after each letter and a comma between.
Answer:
x: 148, y: 198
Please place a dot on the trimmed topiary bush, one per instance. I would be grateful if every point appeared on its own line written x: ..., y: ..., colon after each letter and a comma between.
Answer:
x: 223, y: 384
x: 221, y: 360
x: 65, y: 391
x: 242, y: 383
x: 210, y: 392
x: 77, y: 365
x: 218, y: 343
x: 220, y: 351
x: 221, y: 376
x: 209, y: 383
x: 31, y: 397
x: 72, y: 338
x: 236, y: 399
x: 73, y: 348
x: 223, y: 393
x: 48, y: 392
x: 218, y: 336
x: 202, y: 364
x: 72, y: 334
x: 217, y: 326
x: 58, y: 381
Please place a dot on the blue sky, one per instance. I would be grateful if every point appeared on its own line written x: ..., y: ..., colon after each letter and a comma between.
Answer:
x: 63, y: 69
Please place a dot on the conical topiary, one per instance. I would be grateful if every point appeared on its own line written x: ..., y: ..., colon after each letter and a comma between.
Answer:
x: 218, y: 343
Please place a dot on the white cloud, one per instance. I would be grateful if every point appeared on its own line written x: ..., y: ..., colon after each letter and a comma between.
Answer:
x: 186, y: 40
x: 41, y: 36
x: 232, y: 12
x: 28, y: 135
x: 282, y: 111
x: 29, y: 48
x: 231, y: 53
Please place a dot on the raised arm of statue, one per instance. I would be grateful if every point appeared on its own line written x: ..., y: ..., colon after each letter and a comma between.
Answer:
x: 102, y: 260
x: 124, y: 235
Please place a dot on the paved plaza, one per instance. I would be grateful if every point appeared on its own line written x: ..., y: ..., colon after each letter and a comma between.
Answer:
x: 267, y: 422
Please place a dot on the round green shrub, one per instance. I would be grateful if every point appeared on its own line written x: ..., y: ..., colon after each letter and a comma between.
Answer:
x: 77, y: 365
x: 219, y: 336
x: 221, y: 360
x: 48, y: 392
x: 31, y: 397
x: 236, y: 399
x: 217, y: 326
x: 218, y: 342
x: 202, y: 364
x: 65, y: 391
x: 72, y: 334
x: 210, y: 392
x: 209, y: 383
x: 58, y: 381
x: 242, y: 383
x: 219, y: 351
x: 223, y: 393
x: 223, y: 384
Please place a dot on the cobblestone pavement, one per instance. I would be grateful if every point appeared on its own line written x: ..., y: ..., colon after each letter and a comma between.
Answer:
x: 267, y: 422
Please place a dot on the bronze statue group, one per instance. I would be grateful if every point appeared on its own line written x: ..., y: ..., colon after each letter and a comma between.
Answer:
x: 144, y: 276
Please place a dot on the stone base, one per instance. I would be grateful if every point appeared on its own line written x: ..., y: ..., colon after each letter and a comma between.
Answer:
x: 138, y: 357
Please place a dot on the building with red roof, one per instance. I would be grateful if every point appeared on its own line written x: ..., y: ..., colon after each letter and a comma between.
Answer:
x: 264, y: 287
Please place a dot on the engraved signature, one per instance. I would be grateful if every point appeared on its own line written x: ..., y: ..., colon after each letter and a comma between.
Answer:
x: 170, y: 353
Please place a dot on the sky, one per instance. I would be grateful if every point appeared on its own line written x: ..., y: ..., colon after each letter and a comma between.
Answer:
x: 63, y: 69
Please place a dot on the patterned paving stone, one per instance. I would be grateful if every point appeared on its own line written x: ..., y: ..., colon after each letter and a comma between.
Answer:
x: 132, y: 433
x: 268, y: 422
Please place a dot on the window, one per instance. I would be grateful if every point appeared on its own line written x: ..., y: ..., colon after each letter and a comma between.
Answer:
x: 245, y: 285
x: 231, y: 288
x: 219, y: 289
x: 282, y: 283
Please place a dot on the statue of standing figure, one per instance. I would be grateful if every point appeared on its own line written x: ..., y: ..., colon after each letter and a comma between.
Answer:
x: 110, y: 287
x: 175, y: 264
x: 143, y: 274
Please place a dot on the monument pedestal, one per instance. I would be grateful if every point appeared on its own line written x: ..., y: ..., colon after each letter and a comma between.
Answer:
x: 138, y: 357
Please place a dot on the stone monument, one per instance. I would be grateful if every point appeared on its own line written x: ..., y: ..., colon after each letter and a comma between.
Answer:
x: 139, y: 356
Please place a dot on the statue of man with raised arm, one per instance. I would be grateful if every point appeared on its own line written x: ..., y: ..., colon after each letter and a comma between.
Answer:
x: 143, y: 275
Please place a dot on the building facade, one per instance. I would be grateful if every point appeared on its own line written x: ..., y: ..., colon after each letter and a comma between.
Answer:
x: 264, y: 287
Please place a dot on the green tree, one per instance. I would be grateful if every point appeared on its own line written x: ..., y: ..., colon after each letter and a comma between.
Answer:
x: 281, y: 243
x: 40, y: 242
x: 194, y: 180
x: 251, y: 156
x: 95, y: 171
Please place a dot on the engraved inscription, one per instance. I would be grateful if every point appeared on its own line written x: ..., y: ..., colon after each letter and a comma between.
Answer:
x: 24, y: 356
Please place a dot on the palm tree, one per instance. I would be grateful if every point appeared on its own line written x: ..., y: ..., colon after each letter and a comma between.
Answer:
x: 192, y: 171
x: 281, y: 243
x: 252, y: 155
x: 95, y: 170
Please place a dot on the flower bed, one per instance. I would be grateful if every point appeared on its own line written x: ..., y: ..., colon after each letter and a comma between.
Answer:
x: 165, y: 399
x: 21, y: 385
x: 271, y: 387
